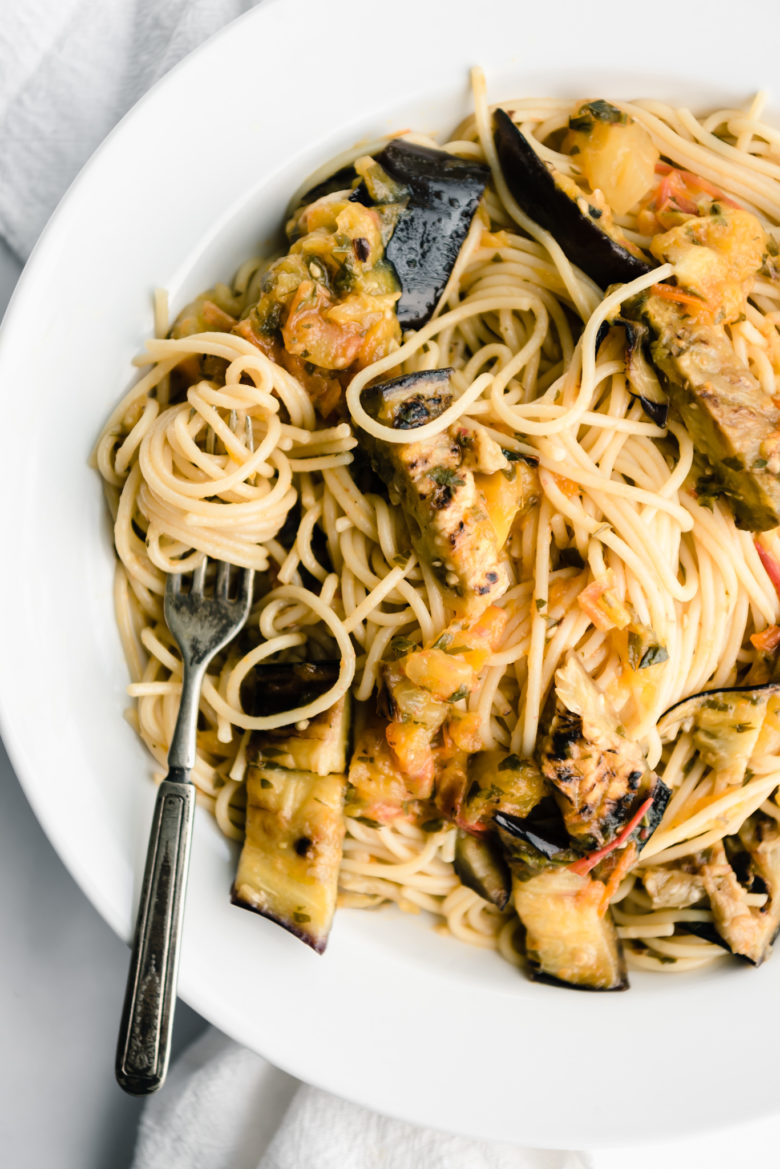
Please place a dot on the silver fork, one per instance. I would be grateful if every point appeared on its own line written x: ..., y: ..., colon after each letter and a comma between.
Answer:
x: 201, y: 625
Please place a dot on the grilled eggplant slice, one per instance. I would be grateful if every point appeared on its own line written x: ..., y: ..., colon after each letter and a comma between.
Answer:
x: 498, y: 782
x: 437, y: 195
x: 377, y: 789
x: 727, y: 726
x: 734, y: 424
x: 411, y: 400
x: 570, y: 937
x: 600, y: 777
x: 433, y: 481
x: 289, y: 865
x: 273, y: 687
x: 443, y: 195
x: 673, y: 886
x: 642, y: 378
x: 480, y: 864
x: 558, y: 205
x: 747, y: 930
x: 533, y: 842
x: 320, y: 746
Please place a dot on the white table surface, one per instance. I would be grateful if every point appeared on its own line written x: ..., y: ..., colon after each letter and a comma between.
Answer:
x: 62, y: 977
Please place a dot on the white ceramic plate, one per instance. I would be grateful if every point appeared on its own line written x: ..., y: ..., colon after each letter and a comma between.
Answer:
x: 192, y: 181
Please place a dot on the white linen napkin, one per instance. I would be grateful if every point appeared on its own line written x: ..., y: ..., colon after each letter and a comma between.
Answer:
x: 224, y: 1107
x: 69, y: 70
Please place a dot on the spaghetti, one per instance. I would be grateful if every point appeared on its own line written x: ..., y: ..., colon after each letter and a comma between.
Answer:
x: 520, y: 326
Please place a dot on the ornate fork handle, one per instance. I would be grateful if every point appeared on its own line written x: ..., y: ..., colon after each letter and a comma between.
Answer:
x: 147, y: 1015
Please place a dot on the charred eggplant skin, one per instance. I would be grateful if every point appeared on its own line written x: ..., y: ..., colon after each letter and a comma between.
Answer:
x: 444, y: 192
x: 481, y: 866
x: 411, y: 400
x: 537, y: 193
x: 271, y: 688
x: 442, y: 195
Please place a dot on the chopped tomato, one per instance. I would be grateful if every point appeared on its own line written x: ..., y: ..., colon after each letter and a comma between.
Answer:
x: 767, y: 640
x: 411, y: 747
x: 600, y: 602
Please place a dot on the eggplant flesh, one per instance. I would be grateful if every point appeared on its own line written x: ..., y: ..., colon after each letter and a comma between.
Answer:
x: 748, y: 931
x: 570, y: 938
x: 432, y: 480
x: 497, y: 781
x: 728, y: 726
x: 320, y: 746
x: 535, y: 189
x: 481, y: 866
x: 599, y: 777
x: 289, y: 864
x: 734, y: 424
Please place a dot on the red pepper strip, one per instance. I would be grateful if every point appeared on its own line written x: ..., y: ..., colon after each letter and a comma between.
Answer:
x: 586, y: 863
x: 693, y: 182
x: 771, y: 567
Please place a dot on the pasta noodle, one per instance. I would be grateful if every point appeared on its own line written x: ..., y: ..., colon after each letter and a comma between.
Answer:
x: 519, y: 325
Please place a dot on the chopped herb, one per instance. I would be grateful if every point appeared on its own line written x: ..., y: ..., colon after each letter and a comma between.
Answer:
x: 369, y: 823
x: 771, y: 246
x: 540, y: 603
x: 511, y: 763
x: 743, y: 728
x: 714, y: 704
x: 594, y: 212
x: 759, y: 464
x: 457, y: 649
x: 400, y: 646
x: 641, y: 655
x: 445, y: 477
x: 443, y: 641
x: 435, y: 825
x: 265, y: 782
x: 301, y: 917
x: 600, y: 111
x: 733, y: 463
x: 457, y: 695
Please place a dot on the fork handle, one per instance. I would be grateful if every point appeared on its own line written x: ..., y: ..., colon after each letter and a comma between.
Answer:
x: 147, y: 1015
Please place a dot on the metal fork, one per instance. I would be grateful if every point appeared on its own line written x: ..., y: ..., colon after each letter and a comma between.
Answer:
x: 201, y: 625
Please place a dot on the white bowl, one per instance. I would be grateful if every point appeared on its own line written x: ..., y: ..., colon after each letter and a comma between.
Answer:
x: 189, y: 184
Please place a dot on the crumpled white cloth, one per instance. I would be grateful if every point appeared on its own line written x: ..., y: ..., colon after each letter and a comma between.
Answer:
x: 224, y: 1107
x: 69, y: 70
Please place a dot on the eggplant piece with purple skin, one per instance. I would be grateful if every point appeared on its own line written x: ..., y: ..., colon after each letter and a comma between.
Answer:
x: 433, y: 481
x: 747, y: 930
x: 642, y: 379
x: 570, y: 936
x: 289, y: 865
x: 439, y: 194
x: 444, y: 192
x: 576, y: 229
x: 481, y: 866
x: 600, y: 778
